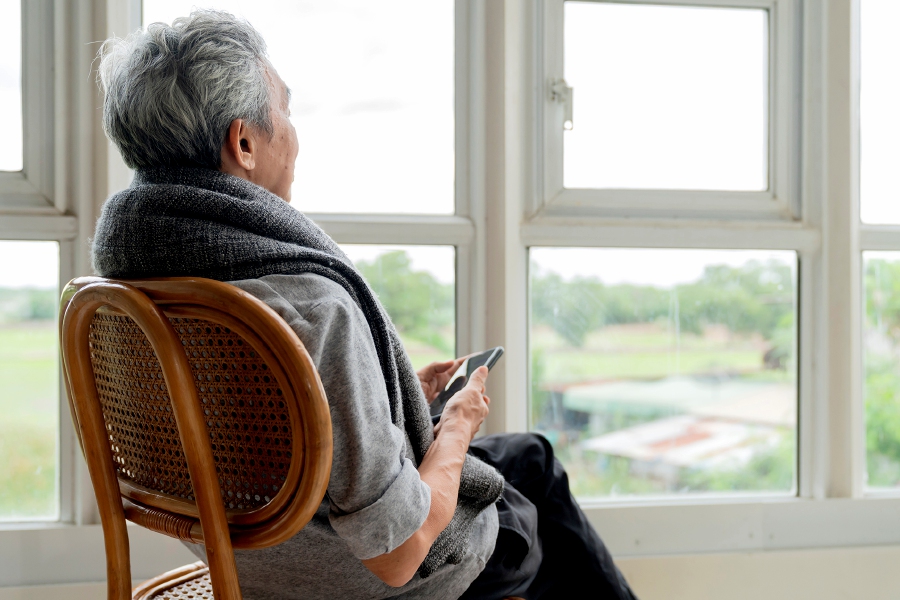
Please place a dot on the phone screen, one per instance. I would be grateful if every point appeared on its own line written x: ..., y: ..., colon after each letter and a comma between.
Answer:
x: 487, y: 358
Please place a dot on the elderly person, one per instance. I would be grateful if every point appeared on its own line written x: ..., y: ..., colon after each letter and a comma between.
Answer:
x: 411, y: 511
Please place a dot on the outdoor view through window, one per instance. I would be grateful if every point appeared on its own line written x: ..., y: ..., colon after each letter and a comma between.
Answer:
x: 372, y: 87
x: 666, y: 371
x: 881, y: 340
x: 29, y: 380
x: 415, y: 284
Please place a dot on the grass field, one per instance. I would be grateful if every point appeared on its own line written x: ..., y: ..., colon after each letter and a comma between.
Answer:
x: 645, y: 351
x: 29, y: 420
x: 422, y: 354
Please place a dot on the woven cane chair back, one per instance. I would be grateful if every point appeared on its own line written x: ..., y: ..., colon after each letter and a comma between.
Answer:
x: 248, y: 414
x: 212, y: 421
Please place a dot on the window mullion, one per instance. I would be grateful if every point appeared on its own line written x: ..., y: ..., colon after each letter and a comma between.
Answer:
x: 841, y: 312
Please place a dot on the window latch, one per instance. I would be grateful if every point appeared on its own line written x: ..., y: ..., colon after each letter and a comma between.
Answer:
x: 562, y: 93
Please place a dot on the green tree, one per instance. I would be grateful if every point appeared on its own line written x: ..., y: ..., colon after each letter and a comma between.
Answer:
x: 418, y: 304
x: 571, y: 308
x: 755, y: 297
x: 882, y: 299
x: 882, y: 421
x: 882, y: 294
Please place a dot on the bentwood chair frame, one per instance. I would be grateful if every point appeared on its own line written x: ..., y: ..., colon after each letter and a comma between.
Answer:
x: 170, y: 341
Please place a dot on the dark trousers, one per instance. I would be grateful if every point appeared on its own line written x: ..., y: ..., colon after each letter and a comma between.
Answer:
x: 559, y: 556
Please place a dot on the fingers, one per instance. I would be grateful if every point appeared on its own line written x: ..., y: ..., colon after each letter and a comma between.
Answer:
x: 440, y: 367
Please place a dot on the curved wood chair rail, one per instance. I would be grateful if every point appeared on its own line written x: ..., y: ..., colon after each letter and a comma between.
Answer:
x: 200, y: 415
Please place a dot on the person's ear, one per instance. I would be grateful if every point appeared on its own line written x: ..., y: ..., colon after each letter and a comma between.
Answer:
x: 239, y: 149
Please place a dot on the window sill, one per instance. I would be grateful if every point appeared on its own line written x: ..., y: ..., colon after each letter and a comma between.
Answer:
x: 48, y: 553
x: 745, y: 524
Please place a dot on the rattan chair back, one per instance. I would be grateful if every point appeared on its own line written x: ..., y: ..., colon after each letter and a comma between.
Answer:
x: 200, y: 414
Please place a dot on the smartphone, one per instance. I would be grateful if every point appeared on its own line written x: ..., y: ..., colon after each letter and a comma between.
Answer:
x: 488, y: 358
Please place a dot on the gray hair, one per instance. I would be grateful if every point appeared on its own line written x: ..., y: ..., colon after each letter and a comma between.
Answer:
x: 171, y: 92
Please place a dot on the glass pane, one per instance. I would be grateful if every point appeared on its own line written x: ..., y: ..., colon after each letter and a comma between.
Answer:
x: 372, y: 97
x: 881, y: 353
x: 879, y: 119
x: 29, y: 380
x: 666, y: 371
x: 416, y: 285
x: 11, y: 85
x: 666, y: 97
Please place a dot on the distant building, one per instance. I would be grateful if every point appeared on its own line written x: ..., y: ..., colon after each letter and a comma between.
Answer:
x: 666, y: 425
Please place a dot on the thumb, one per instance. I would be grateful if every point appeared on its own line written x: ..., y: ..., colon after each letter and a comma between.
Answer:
x: 478, y: 378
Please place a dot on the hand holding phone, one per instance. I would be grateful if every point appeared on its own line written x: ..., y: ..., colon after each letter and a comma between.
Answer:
x: 488, y: 358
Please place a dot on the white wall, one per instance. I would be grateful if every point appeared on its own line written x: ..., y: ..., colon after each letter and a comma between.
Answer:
x: 833, y: 574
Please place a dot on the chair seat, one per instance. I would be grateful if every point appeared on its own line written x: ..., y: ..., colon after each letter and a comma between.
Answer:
x: 190, y: 582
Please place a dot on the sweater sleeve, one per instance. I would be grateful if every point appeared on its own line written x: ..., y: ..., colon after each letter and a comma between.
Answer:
x: 376, y: 498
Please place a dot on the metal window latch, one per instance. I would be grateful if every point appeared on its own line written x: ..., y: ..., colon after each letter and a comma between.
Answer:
x: 562, y: 93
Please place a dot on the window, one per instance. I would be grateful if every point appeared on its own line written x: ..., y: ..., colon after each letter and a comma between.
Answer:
x: 29, y: 381
x: 879, y: 121
x: 878, y: 209
x: 668, y: 97
x: 659, y: 372
x: 376, y: 119
x: 11, y: 86
x: 528, y: 204
x: 881, y: 273
x: 663, y: 351
x: 35, y: 443
x: 663, y: 109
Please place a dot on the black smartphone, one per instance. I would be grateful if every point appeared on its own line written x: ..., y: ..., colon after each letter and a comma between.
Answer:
x: 488, y: 358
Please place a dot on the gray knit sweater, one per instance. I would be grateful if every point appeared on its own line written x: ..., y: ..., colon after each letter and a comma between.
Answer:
x: 204, y: 223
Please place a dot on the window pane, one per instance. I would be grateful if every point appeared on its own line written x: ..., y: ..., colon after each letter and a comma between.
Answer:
x: 882, y: 367
x: 666, y: 371
x: 29, y: 380
x: 11, y: 85
x: 879, y: 118
x: 416, y: 285
x: 372, y: 97
x: 666, y: 97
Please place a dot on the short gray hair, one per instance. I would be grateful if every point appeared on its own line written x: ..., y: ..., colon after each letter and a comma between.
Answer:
x: 171, y: 92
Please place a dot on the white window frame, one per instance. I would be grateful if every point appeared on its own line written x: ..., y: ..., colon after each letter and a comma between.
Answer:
x: 32, y: 208
x: 501, y: 211
x: 780, y: 201
x: 820, y: 221
x: 30, y: 190
x: 75, y: 25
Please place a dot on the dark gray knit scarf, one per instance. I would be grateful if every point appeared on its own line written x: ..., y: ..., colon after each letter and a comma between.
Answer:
x: 203, y: 223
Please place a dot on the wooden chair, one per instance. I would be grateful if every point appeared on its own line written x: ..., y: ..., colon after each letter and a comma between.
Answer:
x: 201, y: 416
